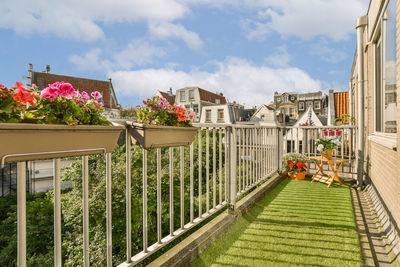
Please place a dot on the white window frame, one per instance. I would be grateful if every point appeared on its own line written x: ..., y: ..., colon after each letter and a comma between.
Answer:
x: 182, y: 93
x: 379, y: 36
x: 220, y: 111
x: 208, y: 111
x: 315, y: 104
x: 291, y: 112
x: 301, y: 105
x: 191, y: 94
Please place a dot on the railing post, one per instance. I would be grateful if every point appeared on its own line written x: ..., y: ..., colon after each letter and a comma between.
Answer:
x: 21, y: 214
x: 232, y: 167
x: 109, y: 209
x: 85, y: 204
x: 279, y: 140
x: 57, y: 213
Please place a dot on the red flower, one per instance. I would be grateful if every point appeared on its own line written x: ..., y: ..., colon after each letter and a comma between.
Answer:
x: 300, y: 165
x: 291, y: 164
x: 23, y: 96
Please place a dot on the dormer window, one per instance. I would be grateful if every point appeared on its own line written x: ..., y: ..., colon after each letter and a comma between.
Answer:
x: 191, y: 94
x: 217, y: 101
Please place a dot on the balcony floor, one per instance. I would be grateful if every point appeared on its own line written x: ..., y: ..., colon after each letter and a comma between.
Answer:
x: 297, y: 224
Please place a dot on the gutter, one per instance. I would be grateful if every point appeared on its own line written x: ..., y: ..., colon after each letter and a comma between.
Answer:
x: 360, y: 26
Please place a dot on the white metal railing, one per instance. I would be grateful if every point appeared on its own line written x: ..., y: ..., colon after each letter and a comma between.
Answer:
x: 302, y: 139
x: 236, y: 158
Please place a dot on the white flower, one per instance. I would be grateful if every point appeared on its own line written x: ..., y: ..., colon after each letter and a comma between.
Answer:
x: 320, y: 147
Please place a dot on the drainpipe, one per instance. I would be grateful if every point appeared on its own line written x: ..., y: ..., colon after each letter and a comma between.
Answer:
x: 360, y: 26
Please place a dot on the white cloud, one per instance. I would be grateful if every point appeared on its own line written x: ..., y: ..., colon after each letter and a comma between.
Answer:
x: 76, y: 19
x: 328, y: 54
x: 305, y: 18
x: 163, y: 30
x: 137, y: 53
x: 91, y: 61
x: 238, y: 79
x: 280, y: 58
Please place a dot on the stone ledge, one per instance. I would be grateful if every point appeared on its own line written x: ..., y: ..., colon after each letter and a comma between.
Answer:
x: 191, y: 247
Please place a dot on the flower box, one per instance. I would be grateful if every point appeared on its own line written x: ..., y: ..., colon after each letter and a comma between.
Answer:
x: 24, y: 141
x: 154, y: 136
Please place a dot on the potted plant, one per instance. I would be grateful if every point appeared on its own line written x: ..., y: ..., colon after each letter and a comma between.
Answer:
x: 329, y: 142
x: 162, y: 125
x: 57, y: 122
x: 294, y: 165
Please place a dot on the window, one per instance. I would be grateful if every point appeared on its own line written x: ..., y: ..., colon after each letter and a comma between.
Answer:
x: 301, y: 105
x: 191, y: 94
x: 217, y: 101
x: 317, y: 105
x: 278, y: 99
x: 285, y: 98
x: 385, y: 74
x: 309, y: 104
x: 291, y: 112
x: 196, y: 109
x: 183, y: 96
x: 220, y: 115
x: 208, y: 115
x: 187, y: 107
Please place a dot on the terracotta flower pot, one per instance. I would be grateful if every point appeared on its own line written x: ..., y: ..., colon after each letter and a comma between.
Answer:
x: 327, y: 153
x: 297, y: 176
x: 25, y: 141
x: 154, y: 136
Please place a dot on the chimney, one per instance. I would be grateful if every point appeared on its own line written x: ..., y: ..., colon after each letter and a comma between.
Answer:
x: 221, y: 94
x: 30, y: 67
x: 170, y: 91
x: 47, y: 68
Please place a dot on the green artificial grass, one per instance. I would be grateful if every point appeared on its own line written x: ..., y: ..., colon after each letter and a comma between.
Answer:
x: 297, y: 224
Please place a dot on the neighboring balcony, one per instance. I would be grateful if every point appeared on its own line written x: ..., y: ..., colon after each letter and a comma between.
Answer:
x: 158, y: 197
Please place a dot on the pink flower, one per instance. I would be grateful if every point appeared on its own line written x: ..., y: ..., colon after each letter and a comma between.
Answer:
x: 331, y: 132
x: 49, y: 92
x: 79, y: 102
x: 325, y: 132
x: 338, y: 132
x: 96, y: 95
x: 98, y: 103
x: 66, y: 90
x: 84, y: 95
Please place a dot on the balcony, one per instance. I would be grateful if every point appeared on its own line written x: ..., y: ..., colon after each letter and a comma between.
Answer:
x: 130, y: 206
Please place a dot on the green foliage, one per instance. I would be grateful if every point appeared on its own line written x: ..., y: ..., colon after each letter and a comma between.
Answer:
x: 344, y: 119
x: 39, y: 221
x: 158, y: 111
x: 128, y: 112
x: 67, y: 111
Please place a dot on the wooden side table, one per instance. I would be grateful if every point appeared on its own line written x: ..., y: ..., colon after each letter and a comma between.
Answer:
x: 322, y: 177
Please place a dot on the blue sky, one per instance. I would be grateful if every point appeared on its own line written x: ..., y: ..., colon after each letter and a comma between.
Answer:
x: 246, y: 49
